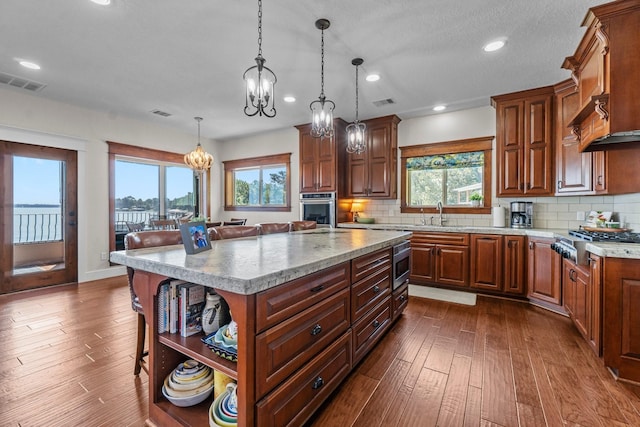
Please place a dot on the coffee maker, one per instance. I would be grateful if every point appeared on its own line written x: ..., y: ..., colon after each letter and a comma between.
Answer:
x: 521, y: 214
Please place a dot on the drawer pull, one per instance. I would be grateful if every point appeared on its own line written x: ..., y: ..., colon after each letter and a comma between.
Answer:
x: 317, y: 383
x: 401, y: 297
x: 376, y: 289
x: 376, y: 323
x: 316, y: 330
x: 317, y: 288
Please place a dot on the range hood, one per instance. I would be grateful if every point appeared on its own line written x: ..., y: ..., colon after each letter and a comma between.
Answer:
x: 614, y: 141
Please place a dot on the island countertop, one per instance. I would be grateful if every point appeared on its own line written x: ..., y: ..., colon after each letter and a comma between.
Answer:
x: 252, y: 264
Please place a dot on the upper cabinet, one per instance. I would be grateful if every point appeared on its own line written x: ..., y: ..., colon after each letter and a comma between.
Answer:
x: 319, y: 159
x: 605, y: 70
x: 524, y: 142
x: 372, y: 174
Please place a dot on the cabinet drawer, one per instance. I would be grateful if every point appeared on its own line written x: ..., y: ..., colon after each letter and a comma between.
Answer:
x: 370, y: 328
x: 440, y: 238
x: 368, y: 292
x: 283, y: 349
x: 278, y: 304
x: 366, y: 265
x: 295, y: 401
x: 399, y: 300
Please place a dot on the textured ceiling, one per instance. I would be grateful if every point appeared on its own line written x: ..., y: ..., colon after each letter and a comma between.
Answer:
x: 187, y: 57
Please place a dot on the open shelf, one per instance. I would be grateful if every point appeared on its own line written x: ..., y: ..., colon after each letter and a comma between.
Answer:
x: 197, y: 415
x: 587, y: 109
x: 194, y: 348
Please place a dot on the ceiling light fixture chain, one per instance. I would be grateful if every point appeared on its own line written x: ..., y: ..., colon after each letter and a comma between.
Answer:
x: 259, y: 82
x: 356, y: 131
x: 198, y: 160
x: 322, y: 109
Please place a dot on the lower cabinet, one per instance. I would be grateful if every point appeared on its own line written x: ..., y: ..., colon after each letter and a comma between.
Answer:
x: 440, y: 258
x: 577, y: 296
x: 544, y: 267
x: 399, y: 300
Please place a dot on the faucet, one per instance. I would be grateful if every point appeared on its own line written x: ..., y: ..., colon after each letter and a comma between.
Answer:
x: 423, y: 221
x: 441, y: 221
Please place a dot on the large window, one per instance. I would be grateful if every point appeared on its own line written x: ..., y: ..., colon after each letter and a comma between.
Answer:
x: 453, y: 173
x: 260, y: 183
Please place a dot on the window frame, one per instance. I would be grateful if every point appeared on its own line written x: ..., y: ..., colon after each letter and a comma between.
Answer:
x: 230, y: 166
x: 484, y: 144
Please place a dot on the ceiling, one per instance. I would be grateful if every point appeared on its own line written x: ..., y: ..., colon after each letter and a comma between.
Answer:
x: 187, y: 58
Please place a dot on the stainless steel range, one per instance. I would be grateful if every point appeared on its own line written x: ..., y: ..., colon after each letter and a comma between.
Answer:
x: 574, y: 247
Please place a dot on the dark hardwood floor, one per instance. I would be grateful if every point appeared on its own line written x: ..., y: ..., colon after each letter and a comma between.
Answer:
x: 66, y: 359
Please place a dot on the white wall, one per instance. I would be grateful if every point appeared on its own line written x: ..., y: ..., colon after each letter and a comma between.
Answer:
x: 35, y: 120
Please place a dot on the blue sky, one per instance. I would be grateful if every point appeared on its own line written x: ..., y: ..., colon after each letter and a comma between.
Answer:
x: 38, y: 181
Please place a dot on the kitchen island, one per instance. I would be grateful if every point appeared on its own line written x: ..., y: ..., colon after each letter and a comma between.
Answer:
x: 309, y: 305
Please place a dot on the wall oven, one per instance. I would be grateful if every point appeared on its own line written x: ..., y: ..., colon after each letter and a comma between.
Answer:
x: 401, y: 263
x: 318, y: 207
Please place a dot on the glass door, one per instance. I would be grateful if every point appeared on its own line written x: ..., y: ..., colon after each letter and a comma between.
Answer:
x: 39, y: 240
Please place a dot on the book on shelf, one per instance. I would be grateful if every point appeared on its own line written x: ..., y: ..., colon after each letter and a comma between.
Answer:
x: 163, y: 308
x: 173, y: 304
x: 192, y: 301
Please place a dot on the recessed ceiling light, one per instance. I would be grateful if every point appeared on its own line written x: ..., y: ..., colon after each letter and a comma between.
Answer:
x: 372, y: 77
x: 102, y: 2
x: 494, y: 45
x: 439, y: 108
x: 289, y: 99
x: 30, y: 65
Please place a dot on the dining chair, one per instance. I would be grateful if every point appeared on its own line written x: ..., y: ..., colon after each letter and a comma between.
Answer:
x: 135, y: 226
x: 234, y: 222
x: 303, y: 225
x: 137, y: 240
x: 164, y: 224
x: 244, y: 220
x: 225, y: 232
x: 274, y: 227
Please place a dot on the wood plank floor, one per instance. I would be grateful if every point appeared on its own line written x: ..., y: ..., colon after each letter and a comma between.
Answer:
x: 66, y: 359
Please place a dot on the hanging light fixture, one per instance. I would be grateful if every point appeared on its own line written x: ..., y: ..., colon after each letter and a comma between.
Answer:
x: 198, y: 160
x: 259, y: 82
x: 355, y: 131
x: 322, y: 109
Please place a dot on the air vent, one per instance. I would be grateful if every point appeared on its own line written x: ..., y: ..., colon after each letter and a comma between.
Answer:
x: 161, y: 113
x: 382, y: 102
x: 21, y: 82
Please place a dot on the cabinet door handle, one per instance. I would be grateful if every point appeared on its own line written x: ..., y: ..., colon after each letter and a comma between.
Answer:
x: 317, y: 288
x: 376, y: 289
x: 376, y: 323
x: 559, y: 184
x: 317, y: 383
x: 509, y: 244
x: 599, y: 180
x: 316, y: 330
x: 530, y: 245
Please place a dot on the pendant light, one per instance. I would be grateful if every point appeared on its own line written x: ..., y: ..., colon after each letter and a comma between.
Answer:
x: 198, y: 160
x: 355, y: 131
x: 322, y: 109
x: 259, y: 82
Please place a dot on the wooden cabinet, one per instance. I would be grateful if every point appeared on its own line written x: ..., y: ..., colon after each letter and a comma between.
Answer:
x: 399, y: 300
x: 594, y: 329
x: 319, y: 159
x: 372, y: 173
x: 515, y: 265
x: 544, y: 267
x: 605, y: 73
x: 524, y: 142
x: 621, y: 317
x: 440, y: 258
x: 498, y: 263
x: 577, y: 296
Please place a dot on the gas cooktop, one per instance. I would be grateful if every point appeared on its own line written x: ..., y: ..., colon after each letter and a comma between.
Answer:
x: 606, y: 236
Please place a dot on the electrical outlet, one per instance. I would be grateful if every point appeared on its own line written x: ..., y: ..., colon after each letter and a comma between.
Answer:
x: 103, y: 256
x: 580, y: 215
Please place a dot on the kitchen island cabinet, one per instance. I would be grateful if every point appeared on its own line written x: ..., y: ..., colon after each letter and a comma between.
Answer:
x: 290, y: 295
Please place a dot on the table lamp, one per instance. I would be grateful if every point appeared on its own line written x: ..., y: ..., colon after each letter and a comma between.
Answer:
x: 355, y: 208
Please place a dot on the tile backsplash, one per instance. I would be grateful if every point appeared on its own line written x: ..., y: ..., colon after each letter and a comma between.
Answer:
x: 548, y: 212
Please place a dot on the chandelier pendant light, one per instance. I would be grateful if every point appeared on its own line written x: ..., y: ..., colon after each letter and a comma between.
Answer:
x: 322, y: 109
x: 355, y: 131
x: 198, y: 160
x: 259, y: 82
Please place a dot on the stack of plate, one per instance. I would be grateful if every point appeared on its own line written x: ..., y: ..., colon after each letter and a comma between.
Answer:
x: 188, y: 384
x: 223, y: 412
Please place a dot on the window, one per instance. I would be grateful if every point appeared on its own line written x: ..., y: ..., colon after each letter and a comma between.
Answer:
x: 454, y: 173
x: 259, y: 183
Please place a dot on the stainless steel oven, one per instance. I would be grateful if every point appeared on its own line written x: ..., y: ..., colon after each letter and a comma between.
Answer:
x: 401, y: 263
x: 318, y: 207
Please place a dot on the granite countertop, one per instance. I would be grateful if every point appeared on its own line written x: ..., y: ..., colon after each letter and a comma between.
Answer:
x: 252, y: 264
x: 615, y: 250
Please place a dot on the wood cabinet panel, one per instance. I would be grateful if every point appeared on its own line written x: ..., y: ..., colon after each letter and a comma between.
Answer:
x: 279, y: 303
x: 577, y: 296
x: 319, y: 159
x: 399, y: 300
x: 423, y: 267
x: 544, y: 267
x: 486, y: 262
x: 452, y: 265
x: 368, y: 330
x: 435, y: 261
x: 286, y: 347
x: 372, y: 263
x: 369, y: 291
x: 595, y: 325
x: 514, y: 278
x: 295, y: 401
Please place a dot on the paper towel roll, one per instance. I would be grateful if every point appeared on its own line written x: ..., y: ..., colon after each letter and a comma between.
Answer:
x: 498, y: 213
